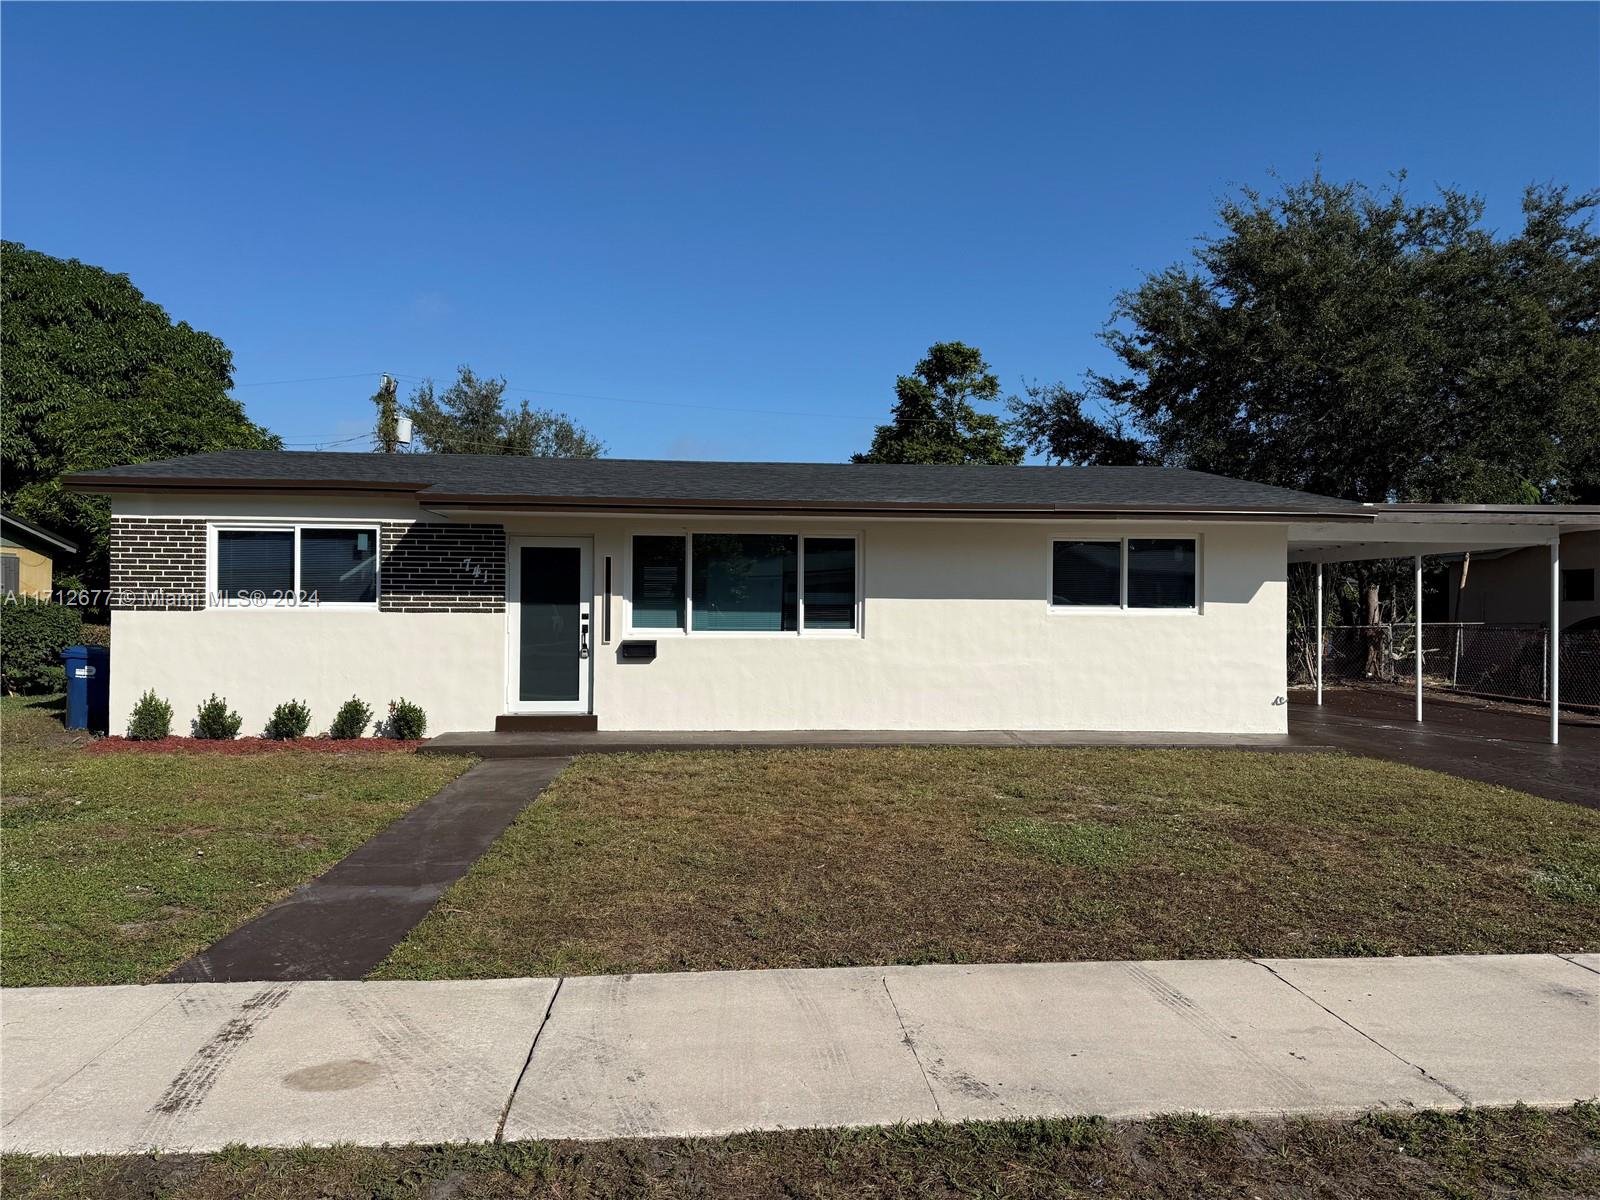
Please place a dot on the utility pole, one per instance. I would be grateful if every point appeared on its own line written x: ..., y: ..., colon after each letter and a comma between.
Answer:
x: 388, y: 430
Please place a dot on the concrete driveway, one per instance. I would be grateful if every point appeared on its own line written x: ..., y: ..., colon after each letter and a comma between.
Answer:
x: 1492, y: 744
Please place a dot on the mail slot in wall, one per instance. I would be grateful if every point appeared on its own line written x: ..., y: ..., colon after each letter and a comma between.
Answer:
x: 636, y: 651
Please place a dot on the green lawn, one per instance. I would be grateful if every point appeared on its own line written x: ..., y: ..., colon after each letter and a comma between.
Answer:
x: 117, y: 867
x: 694, y: 861
x: 1484, y: 1152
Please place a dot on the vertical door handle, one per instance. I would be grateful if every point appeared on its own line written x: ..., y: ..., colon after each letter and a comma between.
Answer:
x: 583, y: 638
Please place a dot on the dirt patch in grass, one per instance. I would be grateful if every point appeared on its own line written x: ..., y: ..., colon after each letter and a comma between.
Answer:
x: 117, y: 867
x: 1482, y: 1153
x: 791, y: 858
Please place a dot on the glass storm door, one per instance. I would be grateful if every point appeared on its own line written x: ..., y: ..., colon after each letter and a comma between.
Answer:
x: 549, y: 630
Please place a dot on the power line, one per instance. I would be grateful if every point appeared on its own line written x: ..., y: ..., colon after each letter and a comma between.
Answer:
x: 765, y: 412
x: 310, y: 379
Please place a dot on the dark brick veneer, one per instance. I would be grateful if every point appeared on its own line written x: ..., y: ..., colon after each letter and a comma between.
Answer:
x: 158, y: 562
x: 425, y: 566
x: 441, y: 567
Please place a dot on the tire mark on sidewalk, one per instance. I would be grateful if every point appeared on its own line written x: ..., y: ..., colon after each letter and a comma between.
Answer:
x: 190, y: 1087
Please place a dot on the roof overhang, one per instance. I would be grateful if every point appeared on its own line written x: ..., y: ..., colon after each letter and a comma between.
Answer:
x: 37, y: 533
x: 1406, y: 530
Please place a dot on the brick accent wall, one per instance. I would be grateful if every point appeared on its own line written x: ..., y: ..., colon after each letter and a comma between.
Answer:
x: 158, y: 563
x: 431, y: 566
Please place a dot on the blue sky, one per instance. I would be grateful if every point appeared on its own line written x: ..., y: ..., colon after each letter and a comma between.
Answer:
x: 722, y: 231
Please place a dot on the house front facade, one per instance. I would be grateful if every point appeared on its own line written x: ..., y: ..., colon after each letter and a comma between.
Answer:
x: 628, y: 595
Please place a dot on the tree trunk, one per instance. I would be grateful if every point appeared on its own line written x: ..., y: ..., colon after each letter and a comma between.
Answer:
x: 1373, y: 619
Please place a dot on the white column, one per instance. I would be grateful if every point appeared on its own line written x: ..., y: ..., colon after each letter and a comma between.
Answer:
x: 1419, y: 636
x: 1319, y: 633
x: 1555, y: 640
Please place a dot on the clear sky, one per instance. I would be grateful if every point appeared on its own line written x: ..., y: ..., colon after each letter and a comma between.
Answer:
x: 723, y: 230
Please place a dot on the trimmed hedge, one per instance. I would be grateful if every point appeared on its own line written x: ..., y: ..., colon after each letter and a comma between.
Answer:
x: 32, y: 637
x: 215, y: 721
x: 289, y: 721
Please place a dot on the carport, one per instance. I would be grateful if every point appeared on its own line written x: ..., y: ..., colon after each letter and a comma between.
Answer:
x: 1417, y: 530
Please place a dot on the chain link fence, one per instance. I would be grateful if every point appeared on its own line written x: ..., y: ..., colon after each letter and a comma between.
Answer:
x: 1501, y: 662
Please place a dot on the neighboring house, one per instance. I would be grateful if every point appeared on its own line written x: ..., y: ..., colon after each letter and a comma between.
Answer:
x: 502, y: 591
x: 27, y: 557
x: 1511, y: 587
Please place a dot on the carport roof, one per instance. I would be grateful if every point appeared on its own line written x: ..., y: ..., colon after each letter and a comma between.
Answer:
x: 1406, y: 530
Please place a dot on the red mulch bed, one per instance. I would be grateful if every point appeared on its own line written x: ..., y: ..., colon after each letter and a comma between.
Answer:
x: 248, y: 745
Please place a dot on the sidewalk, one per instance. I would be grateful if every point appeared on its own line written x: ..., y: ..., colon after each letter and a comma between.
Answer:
x: 199, y: 1066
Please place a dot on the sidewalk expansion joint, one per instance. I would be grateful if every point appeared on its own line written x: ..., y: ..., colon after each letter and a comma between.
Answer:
x: 910, y: 1044
x: 1576, y: 963
x: 500, y: 1127
x: 1421, y: 1070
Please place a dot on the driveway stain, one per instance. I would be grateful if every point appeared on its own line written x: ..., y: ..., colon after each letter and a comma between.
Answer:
x: 340, y: 1075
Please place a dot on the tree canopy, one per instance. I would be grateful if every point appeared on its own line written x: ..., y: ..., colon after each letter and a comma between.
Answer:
x: 471, y: 416
x: 1357, y: 343
x: 935, y: 419
x: 93, y: 375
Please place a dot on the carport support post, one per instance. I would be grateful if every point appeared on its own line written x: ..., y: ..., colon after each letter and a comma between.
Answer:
x: 1555, y: 640
x: 1419, y: 635
x: 1319, y: 633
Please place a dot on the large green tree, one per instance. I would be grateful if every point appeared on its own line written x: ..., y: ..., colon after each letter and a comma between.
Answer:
x: 93, y: 375
x: 471, y: 416
x: 1357, y: 343
x: 936, y: 419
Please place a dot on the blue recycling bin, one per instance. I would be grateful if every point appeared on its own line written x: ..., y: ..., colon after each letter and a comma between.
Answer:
x: 88, y: 687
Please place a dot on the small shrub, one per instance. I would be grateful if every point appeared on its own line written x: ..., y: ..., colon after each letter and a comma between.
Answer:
x: 151, y: 719
x: 32, y: 637
x: 289, y: 720
x: 352, y: 720
x: 215, y: 721
x: 406, y: 720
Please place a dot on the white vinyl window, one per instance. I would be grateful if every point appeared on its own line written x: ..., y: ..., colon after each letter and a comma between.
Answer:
x: 293, y: 566
x: 744, y: 583
x: 1100, y: 574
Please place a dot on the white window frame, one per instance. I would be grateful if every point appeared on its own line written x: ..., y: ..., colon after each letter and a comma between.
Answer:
x: 688, y: 629
x: 1122, y: 607
x: 215, y: 599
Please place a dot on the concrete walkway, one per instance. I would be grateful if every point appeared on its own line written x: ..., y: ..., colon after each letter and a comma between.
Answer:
x: 198, y: 1066
x: 345, y: 922
x: 537, y: 745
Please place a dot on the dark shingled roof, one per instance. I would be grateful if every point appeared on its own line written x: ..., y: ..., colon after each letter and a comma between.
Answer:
x: 493, y: 480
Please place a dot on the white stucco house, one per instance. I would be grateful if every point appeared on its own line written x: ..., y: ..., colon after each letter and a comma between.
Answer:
x: 504, y: 592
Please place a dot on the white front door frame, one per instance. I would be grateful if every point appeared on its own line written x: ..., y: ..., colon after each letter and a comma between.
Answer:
x: 513, y: 701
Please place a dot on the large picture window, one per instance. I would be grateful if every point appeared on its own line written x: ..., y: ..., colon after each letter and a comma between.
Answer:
x: 743, y: 583
x: 1125, y: 573
x: 305, y: 565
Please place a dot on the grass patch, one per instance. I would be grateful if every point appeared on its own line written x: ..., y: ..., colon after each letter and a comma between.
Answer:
x: 1080, y: 843
x: 1479, y: 1152
x: 118, y: 867
x: 812, y: 858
